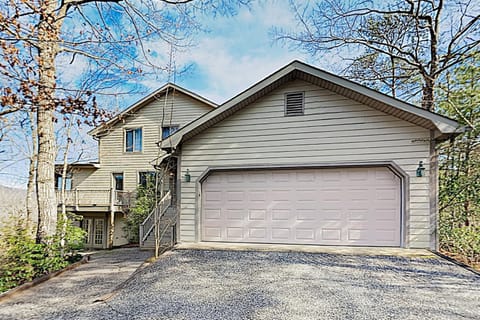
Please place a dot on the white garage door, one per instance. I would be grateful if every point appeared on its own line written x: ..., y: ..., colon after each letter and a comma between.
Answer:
x: 345, y: 206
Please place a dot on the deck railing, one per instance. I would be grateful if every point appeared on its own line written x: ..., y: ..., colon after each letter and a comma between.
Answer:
x: 96, y: 198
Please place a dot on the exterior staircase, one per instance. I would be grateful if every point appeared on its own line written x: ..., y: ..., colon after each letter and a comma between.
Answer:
x: 167, y: 220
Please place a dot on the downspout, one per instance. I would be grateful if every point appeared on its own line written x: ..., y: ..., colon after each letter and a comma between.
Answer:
x: 178, y: 187
x: 433, y: 181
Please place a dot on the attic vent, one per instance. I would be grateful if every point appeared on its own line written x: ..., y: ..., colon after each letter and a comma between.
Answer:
x: 294, y: 104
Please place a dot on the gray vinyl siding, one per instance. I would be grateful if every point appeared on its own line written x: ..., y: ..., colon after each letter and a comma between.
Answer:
x: 334, y: 129
x: 112, y: 155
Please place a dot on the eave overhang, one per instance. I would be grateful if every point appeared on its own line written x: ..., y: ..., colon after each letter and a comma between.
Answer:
x: 442, y: 126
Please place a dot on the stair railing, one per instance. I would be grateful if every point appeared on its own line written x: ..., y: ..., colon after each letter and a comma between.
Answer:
x: 147, y: 226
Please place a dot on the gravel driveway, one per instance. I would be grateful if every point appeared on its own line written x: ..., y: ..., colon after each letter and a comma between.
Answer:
x: 190, y: 284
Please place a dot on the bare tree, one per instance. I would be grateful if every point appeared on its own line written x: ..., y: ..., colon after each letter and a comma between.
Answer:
x: 117, y: 37
x: 63, y: 186
x: 434, y: 35
x: 385, y: 72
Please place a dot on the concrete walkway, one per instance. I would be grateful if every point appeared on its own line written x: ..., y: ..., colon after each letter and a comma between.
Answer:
x: 71, y: 294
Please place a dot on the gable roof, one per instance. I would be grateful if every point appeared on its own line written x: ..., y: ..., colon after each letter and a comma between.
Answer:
x: 443, y: 126
x: 146, y: 100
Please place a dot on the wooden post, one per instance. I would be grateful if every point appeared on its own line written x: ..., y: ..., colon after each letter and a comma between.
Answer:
x: 76, y: 200
x: 112, y: 218
x: 141, y: 235
x: 112, y: 199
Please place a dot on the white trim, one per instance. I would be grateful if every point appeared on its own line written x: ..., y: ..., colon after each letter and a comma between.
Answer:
x: 96, y: 131
x: 443, y: 124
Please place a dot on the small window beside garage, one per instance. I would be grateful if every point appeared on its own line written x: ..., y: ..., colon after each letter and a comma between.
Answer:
x: 294, y: 104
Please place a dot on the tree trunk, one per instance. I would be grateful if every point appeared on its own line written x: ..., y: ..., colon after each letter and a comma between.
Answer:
x: 428, y: 95
x: 48, y: 34
x: 30, y: 204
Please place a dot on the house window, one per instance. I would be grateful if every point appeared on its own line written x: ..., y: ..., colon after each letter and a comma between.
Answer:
x: 168, y: 131
x: 133, y: 140
x: 294, y: 104
x: 118, y: 181
x: 68, y: 182
x: 145, y: 178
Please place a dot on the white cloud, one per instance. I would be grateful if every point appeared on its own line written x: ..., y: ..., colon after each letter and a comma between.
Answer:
x: 69, y: 70
x: 240, y: 51
x: 228, y: 73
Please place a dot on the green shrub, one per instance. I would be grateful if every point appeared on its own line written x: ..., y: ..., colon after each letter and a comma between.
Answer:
x: 464, y: 240
x: 144, y: 204
x: 74, y: 236
x: 24, y: 260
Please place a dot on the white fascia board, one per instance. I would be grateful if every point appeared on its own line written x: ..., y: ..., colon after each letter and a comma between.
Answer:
x: 443, y: 124
x: 146, y: 99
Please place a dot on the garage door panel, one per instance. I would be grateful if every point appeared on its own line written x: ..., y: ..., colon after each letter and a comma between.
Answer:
x: 306, y: 194
x: 235, y: 233
x: 357, y: 234
x: 257, y: 214
x: 331, y: 195
x: 235, y: 214
x: 305, y: 176
x: 280, y: 234
x: 331, y: 175
x: 280, y: 214
x: 281, y: 205
x: 304, y: 234
x: 358, y: 215
x: 386, y: 235
x: 257, y: 195
x: 385, y: 194
x: 280, y: 194
x: 233, y: 178
x: 307, y: 215
x: 213, y: 195
x: 213, y: 233
x: 212, y: 214
x: 331, y: 234
x: 257, y: 234
x: 279, y: 177
x: 331, y: 214
x: 349, y: 206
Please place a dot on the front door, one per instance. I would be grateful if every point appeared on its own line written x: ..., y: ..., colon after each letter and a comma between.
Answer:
x: 95, y: 229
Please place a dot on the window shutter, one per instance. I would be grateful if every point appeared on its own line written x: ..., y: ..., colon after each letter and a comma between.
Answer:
x: 294, y: 104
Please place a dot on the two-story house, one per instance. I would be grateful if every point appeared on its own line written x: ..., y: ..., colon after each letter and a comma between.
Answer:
x: 301, y: 157
x: 102, y: 192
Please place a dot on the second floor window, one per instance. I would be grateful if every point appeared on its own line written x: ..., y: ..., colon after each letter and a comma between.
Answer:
x: 168, y: 131
x: 133, y: 140
x: 68, y: 182
x: 118, y: 181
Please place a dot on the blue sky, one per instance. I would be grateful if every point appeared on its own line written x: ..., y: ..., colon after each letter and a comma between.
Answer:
x: 237, y: 52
